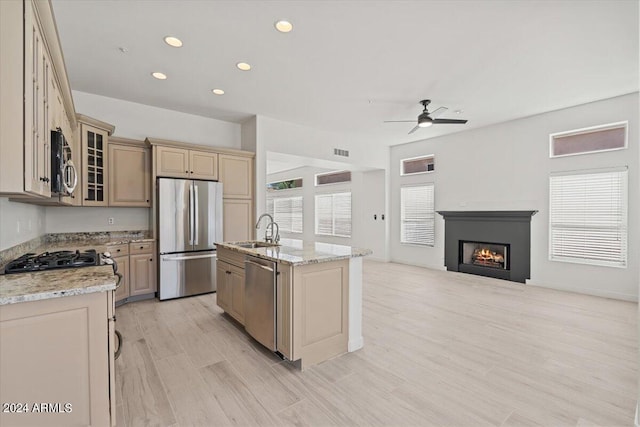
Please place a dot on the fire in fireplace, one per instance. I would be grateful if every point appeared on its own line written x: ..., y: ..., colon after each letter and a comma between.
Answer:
x: 492, y: 255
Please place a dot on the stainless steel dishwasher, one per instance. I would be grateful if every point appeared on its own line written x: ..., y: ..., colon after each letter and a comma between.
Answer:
x: 260, y: 300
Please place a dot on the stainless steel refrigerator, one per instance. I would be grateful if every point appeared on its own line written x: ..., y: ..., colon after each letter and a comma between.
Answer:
x: 189, y: 224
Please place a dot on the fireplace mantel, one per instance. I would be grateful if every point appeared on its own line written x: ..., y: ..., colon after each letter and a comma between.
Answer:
x: 488, y: 215
x: 509, y: 228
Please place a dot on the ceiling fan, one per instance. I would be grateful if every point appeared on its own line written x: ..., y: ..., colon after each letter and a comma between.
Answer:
x: 426, y: 119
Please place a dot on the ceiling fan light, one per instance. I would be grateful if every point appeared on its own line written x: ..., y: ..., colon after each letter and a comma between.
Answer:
x: 425, y: 123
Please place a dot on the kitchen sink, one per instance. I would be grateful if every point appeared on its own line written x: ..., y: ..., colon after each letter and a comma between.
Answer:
x: 256, y: 244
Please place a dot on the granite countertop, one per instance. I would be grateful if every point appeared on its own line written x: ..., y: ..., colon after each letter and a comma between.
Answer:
x: 56, y: 283
x: 40, y: 285
x: 298, y: 252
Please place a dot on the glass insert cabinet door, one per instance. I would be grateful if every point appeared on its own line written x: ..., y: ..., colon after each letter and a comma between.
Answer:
x: 94, y: 149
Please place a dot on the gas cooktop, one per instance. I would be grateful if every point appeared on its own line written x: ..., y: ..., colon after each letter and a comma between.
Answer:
x: 51, y: 260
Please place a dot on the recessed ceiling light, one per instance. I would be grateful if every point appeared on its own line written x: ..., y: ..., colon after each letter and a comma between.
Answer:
x: 218, y: 91
x: 243, y: 66
x: 458, y: 111
x: 159, y: 76
x: 173, y: 41
x: 284, y: 26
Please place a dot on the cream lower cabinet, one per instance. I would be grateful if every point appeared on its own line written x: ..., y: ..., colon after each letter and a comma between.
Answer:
x: 129, y: 173
x: 142, y: 269
x: 137, y: 264
x: 56, y: 361
x: 237, y: 220
x: 230, y: 283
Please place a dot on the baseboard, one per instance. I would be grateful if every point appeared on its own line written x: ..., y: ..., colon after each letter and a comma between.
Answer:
x: 594, y: 292
x: 636, y: 421
x: 355, y: 344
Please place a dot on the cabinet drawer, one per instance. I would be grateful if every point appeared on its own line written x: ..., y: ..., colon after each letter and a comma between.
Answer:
x: 118, y: 250
x: 231, y: 257
x: 140, y: 247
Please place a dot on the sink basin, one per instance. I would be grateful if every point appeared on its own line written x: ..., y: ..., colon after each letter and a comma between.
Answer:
x: 256, y: 244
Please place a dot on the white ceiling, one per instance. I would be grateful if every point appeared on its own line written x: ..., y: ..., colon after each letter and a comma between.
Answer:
x: 349, y: 65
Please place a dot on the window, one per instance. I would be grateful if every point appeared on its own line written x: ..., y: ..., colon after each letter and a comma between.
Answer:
x: 417, y: 215
x: 589, y: 140
x: 285, y: 185
x: 333, y: 177
x: 286, y: 212
x: 333, y: 214
x: 588, y: 218
x: 417, y: 165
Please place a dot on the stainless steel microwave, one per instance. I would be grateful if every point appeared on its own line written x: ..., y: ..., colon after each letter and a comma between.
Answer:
x: 64, y: 176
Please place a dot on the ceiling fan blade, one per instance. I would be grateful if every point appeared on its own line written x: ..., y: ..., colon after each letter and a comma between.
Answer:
x: 437, y: 112
x: 400, y: 121
x: 413, y: 130
x: 451, y: 121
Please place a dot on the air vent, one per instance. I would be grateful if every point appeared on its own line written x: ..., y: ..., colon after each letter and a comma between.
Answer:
x: 341, y: 152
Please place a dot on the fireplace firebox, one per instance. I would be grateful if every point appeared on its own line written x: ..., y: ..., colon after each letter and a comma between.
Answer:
x: 488, y: 243
x: 489, y: 255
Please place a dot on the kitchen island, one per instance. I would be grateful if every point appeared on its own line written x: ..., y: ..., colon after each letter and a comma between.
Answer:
x: 318, y: 300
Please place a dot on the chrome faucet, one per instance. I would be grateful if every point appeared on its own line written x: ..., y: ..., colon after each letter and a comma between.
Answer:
x: 269, y: 236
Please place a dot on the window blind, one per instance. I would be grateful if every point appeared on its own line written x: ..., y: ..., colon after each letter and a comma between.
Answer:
x: 333, y: 214
x: 287, y: 212
x: 417, y: 215
x: 588, y: 218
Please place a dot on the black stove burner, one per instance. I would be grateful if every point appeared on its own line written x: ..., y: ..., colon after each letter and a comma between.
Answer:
x: 50, y: 260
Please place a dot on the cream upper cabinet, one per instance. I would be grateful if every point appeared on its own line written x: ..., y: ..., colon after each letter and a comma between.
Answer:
x: 94, y: 136
x: 172, y: 162
x: 34, y: 85
x: 129, y: 174
x: 236, y: 175
x: 237, y: 218
x: 203, y: 165
x: 183, y: 163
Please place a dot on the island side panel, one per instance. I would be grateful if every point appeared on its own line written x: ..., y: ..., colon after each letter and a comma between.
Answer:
x: 320, y: 311
x: 356, y: 341
x: 284, y: 313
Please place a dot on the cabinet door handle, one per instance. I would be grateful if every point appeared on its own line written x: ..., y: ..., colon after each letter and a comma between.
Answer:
x: 150, y: 259
x: 141, y: 247
x: 186, y: 171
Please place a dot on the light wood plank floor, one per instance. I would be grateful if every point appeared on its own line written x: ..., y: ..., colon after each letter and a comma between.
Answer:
x: 441, y: 349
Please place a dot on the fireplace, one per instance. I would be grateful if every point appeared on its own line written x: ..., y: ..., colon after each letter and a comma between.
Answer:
x: 489, y: 255
x: 488, y: 243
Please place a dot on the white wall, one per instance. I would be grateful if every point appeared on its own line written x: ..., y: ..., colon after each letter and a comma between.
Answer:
x: 290, y: 138
x: 365, y: 232
x: 88, y: 219
x: 138, y: 121
x: 19, y: 222
x: 506, y: 167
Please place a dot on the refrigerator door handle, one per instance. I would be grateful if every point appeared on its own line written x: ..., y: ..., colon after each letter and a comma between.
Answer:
x: 195, y: 215
x: 191, y: 213
x: 186, y: 258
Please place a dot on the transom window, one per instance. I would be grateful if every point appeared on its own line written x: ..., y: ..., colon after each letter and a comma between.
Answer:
x: 589, y: 140
x: 415, y: 165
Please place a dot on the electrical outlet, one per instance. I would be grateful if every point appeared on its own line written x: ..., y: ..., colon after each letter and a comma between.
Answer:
x: 110, y: 221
